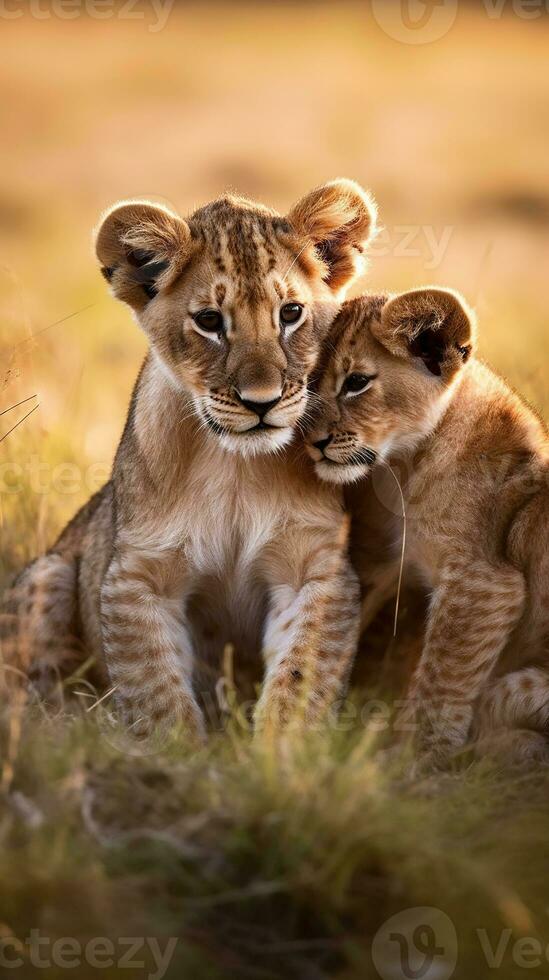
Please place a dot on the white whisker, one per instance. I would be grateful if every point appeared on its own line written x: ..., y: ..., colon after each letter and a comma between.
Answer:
x: 403, y: 550
x: 290, y: 267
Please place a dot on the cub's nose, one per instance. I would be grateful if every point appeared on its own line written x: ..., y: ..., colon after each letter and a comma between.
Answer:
x: 259, y: 407
x: 322, y: 443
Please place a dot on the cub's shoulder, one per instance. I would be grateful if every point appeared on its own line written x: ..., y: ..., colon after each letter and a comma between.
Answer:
x: 497, y: 417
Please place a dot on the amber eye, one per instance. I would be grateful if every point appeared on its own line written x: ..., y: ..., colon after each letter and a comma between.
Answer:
x: 355, y: 384
x: 290, y: 314
x: 210, y: 321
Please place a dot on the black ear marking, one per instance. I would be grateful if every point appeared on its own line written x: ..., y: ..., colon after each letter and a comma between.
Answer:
x: 325, y: 252
x: 430, y: 347
x: 139, y: 256
x: 150, y: 272
x: 146, y: 270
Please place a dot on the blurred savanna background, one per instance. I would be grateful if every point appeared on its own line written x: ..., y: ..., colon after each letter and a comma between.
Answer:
x: 259, y: 866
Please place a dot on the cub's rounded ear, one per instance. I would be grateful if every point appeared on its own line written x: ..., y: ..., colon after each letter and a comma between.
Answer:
x: 434, y: 325
x: 142, y: 248
x: 340, y: 219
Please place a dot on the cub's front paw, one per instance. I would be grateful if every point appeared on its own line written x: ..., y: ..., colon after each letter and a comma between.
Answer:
x: 269, y: 716
x: 278, y: 711
x: 157, y: 720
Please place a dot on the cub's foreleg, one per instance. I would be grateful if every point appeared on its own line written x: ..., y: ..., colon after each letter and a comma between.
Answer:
x: 310, y: 639
x: 472, y: 613
x: 146, y: 642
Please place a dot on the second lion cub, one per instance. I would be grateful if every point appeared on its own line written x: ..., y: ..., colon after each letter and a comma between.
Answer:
x: 400, y: 386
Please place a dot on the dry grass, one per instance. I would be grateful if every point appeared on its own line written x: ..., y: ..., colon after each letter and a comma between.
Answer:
x: 265, y: 866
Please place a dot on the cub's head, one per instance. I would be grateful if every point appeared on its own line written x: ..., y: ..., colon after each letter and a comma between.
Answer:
x: 236, y: 299
x: 386, y: 377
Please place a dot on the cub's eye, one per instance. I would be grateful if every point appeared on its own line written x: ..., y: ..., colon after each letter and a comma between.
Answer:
x: 211, y: 321
x: 290, y: 314
x: 355, y: 384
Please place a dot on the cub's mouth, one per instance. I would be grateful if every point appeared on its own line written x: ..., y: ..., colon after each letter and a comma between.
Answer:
x: 261, y: 426
x: 261, y: 437
x: 347, y: 468
x: 254, y: 431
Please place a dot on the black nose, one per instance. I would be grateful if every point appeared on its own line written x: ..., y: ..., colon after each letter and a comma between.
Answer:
x: 322, y: 443
x: 260, y: 408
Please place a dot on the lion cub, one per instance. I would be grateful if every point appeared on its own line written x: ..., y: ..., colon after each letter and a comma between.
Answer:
x: 402, y: 396
x: 213, y: 527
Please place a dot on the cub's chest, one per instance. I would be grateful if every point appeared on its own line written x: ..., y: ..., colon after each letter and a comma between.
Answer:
x: 229, y: 528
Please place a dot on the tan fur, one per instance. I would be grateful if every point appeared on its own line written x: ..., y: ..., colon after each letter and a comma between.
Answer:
x: 472, y: 461
x: 213, y: 527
